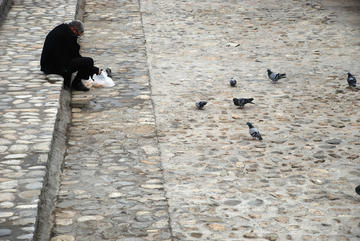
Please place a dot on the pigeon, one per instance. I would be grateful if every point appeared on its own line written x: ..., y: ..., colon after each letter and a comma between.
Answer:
x: 253, y: 131
x: 275, y: 77
x: 232, y: 82
x: 200, y: 104
x: 351, y: 80
x: 242, y: 101
x: 357, y: 189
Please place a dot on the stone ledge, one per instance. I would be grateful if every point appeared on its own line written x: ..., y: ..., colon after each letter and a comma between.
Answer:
x: 53, y: 78
x: 80, y: 99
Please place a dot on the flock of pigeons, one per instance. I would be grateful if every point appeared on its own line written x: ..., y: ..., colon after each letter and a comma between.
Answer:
x: 241, y: 102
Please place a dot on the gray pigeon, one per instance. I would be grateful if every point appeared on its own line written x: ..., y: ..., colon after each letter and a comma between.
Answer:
x: 275, y: 76
x: 200, y: 104
x: 351, y: 80
x: 241, y: 102
x: 254, y: 132
x: 232, y: 82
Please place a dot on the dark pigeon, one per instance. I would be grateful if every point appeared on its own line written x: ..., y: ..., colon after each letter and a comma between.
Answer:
x: 351, y: 80
x: 275, y: 76
x: 241, y: 102
x: 232, y: 82
x: 254, y: 132
x: 200, y: 104
x: 357, y: 189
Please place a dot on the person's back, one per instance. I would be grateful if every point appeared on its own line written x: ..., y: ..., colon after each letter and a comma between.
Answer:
x: 60, y: 47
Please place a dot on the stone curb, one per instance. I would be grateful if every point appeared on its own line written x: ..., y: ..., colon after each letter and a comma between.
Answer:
x: 52, y: 178
x: 44, y: 222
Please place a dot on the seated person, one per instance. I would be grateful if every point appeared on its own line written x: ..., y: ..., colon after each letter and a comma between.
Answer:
x: 61, y: 55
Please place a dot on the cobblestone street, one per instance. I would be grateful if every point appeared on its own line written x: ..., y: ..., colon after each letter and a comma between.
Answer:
x: 28, y: 109
x: 298, y: 183
x: 112, y: 183
x: 142, y: 163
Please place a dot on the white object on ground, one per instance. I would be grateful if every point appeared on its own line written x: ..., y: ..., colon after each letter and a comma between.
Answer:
x: 102, y: 80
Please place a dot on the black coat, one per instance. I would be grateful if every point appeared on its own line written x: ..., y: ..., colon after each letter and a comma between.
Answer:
x: 60, y: 47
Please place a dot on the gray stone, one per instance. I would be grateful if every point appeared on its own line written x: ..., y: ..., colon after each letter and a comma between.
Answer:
x: 18, y: 148
x: 7, y: 197
x: 319, y: 155
x: 256, y: 202
x: 53, y: 78
x: 35, y: 185
x: 334, y: 141
x: 5, y: 232
x: 131, y: 239
x: 232, y: 202
x: 9, y: 184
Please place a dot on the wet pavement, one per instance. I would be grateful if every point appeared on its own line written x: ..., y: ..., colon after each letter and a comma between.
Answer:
x: 144, y: 164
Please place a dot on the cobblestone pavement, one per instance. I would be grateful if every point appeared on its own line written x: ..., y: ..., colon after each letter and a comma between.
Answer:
x: 144, y: 164
x: 28, y: 108
x: 298, y: 183
x: 112, y: 182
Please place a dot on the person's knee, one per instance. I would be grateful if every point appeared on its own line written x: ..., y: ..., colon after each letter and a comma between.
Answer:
x: 88, y: 61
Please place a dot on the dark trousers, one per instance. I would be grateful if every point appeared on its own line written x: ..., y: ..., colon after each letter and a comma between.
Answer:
x: 84, y: 67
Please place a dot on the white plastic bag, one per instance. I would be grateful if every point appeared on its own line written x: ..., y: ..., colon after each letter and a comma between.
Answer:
x: 102, y: 80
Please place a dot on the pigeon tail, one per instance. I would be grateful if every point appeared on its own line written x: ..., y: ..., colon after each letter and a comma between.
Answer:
x: 281, y: 76
x: 249, y: 100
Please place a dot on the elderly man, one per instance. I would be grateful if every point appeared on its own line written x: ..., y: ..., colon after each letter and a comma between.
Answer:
x: 60, y: 55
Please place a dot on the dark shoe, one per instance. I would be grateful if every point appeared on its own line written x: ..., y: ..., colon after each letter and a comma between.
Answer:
x: 108, y: 71
x: 80, y: 87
